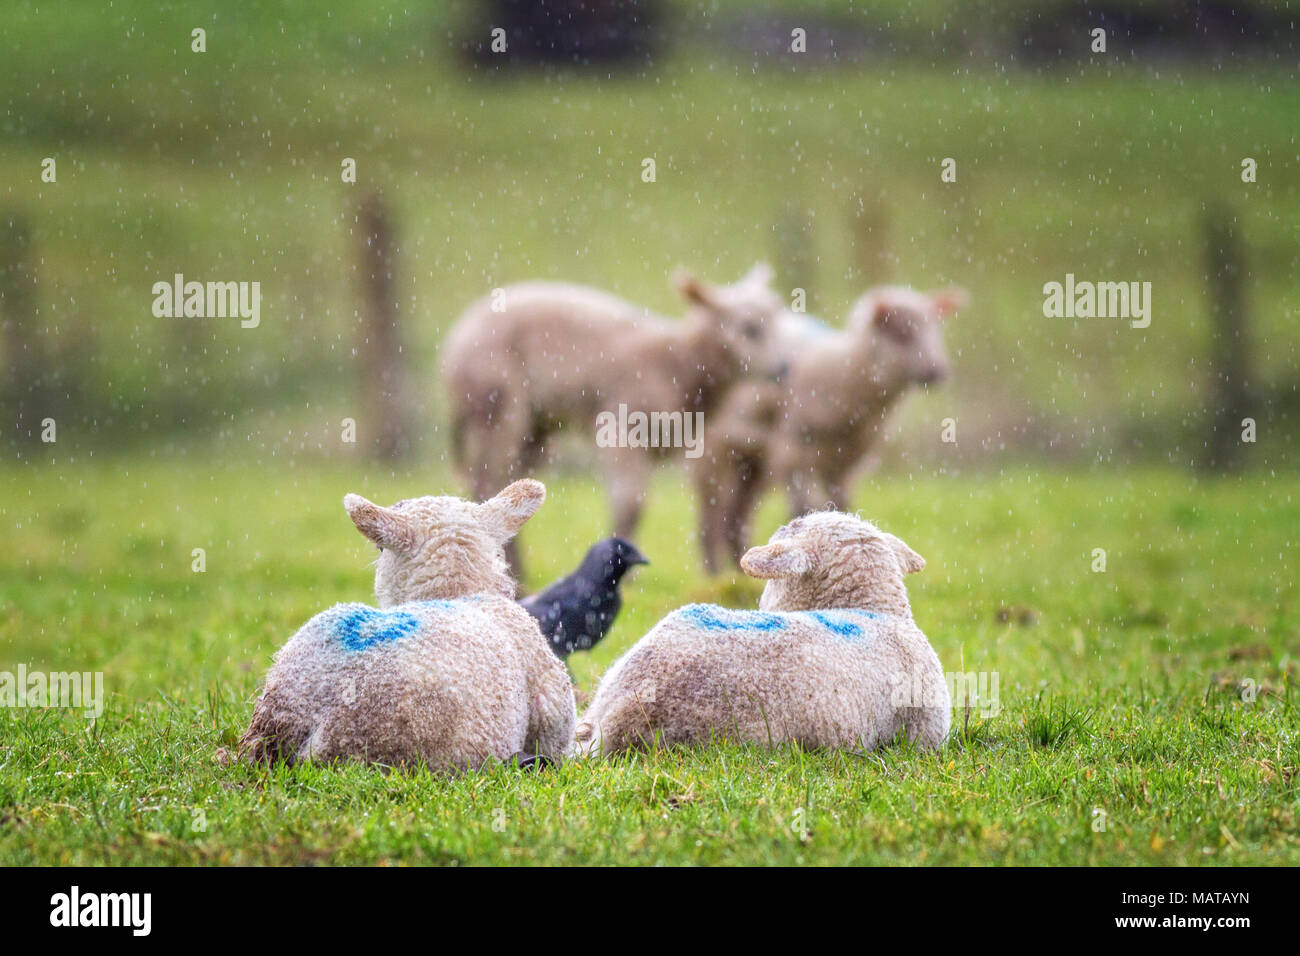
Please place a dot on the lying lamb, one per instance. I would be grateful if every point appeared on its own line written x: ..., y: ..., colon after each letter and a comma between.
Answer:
x: 831, y: 659
x: 545, y: 357
x: 811, y: 436
x: 449, y: 672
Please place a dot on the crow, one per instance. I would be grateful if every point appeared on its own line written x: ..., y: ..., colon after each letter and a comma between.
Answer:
x: 577, y: 611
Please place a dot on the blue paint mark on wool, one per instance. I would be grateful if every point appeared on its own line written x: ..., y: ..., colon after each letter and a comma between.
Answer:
x: 360, y: 627
x: 839, y: 622
x: 714, y: 618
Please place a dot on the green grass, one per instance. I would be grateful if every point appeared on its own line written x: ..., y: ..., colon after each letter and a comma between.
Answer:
x: 1118, y: 690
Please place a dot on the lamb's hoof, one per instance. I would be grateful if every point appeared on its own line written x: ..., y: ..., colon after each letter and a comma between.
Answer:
x: 533, y: 761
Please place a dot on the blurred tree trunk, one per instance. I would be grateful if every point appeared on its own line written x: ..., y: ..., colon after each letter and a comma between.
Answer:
x: 23, y: 389
x: 386, y: 421
x: 796, y: 258
x: 1230, y: 341
x: 870, y: 228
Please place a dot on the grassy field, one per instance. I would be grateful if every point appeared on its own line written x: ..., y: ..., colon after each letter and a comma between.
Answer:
x: 227, y: 165
x: 1147, y: 714
x: 1118, y: 690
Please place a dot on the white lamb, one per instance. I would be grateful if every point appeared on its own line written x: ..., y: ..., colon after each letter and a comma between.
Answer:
x: 831, y: 659
x: 812, y: 434
x: 448, y: 672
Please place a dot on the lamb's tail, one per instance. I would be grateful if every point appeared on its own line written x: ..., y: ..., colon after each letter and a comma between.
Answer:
x: 256, y: 749
x: 267, y: 743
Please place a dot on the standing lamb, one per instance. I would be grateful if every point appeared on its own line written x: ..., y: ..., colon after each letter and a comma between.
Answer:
x: 811, y: 436
x: 831, y: 659
x: 731, y: 476
x: 544, y: 357
x: 449, y: 672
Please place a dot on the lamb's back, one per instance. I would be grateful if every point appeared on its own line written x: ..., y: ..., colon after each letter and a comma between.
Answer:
x: 816, y: 676
x: 444, y: 682
x: 560, y: 343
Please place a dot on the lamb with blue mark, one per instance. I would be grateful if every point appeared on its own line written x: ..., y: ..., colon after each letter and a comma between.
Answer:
x: 832, y: 658
x: 447, y: 672
x: 845, y: 623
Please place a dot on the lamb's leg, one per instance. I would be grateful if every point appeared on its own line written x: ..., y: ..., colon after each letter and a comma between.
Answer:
x: 706, y: 501
x: 498, y: 448
x: 801, y: 490
x: 786, y: 469
x: 816, y: 489
x: 627, y: 474
x: 748, y: 491
x: 492, y: 442
x: 837, y: 494
x: 486, y: 480
x: 715, y: 481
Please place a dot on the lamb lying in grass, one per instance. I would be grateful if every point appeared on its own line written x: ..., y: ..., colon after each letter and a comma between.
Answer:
x: 812, y: 435
x: 546, y: 357
x: 831, y: 659
x: 448, y: 672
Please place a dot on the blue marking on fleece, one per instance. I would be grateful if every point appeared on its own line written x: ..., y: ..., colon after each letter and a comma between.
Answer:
x: 360, y: 627
x: 714, y: 618
x: 837, y: 622
x: 817, y: 326
x: 711, y: 617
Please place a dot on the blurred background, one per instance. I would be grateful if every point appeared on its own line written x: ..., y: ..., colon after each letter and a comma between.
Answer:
x: 476, y: 168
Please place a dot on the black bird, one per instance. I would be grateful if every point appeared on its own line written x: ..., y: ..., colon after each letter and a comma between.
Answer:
x: 577, y: 611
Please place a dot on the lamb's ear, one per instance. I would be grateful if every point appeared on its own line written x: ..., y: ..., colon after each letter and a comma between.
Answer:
x: 515, y: 504
x: 695, y: 290
x: 910, y: 561
x: 950, y: 300
x: 384, y: 526
x: 780, y: 559
x: 760, y: 275
x: 864, y: 312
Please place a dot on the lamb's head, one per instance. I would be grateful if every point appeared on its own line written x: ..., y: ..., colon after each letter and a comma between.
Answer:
x: 741, y: 318
x: 443, y: 547
x: 828, y: 559
x: 903, y: 329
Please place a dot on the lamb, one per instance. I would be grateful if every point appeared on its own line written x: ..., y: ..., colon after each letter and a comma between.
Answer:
x: 731, y: 478
x: 813, y: 435
x: 542, y: 357
x: 832, y: 658
x: 448, y: 672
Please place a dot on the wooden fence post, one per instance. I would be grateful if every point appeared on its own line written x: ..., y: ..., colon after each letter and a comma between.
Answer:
x: 1230, y: 340
x: 22, y: 391
x: 383, y: 377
